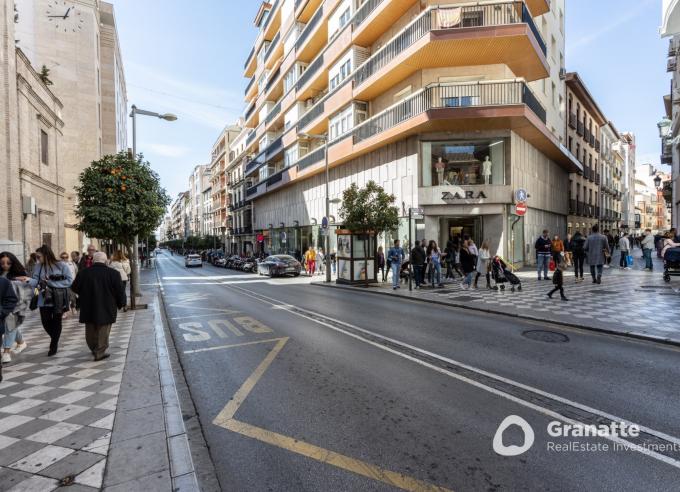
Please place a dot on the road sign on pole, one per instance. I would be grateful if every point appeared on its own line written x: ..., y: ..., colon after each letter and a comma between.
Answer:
x: 324, y: 223
x: 521, y: 209
x: 521, y: 195
x: 416, y: 213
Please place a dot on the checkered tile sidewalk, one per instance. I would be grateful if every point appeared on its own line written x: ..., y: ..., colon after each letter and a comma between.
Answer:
x: 628, y: 301
x: 56, y: 413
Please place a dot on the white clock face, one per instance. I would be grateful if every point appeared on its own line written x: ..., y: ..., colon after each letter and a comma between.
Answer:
x: 64, y: 16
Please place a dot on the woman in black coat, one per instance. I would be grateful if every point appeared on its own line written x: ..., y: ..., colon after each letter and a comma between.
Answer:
x: 467, y: 263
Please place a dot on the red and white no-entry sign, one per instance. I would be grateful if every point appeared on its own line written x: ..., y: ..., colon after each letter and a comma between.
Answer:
x: 520, y: 208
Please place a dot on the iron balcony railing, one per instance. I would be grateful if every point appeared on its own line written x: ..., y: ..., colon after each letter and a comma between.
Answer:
x: 273, y: 113
x: 275, y: 178
x: 572, y: 206
x: 591, y: 140
x: 250, y: 111
x: 597, y: 145
x: 311, y: 25
x: 271, y: 14
x: 272, y: 79
x: 250, y: 137
x: 580, y: 127
x: 312, y: 69
x: 251, y: 191
x: 364, y: 11
x: 586, y: 134
x: 572, y: 121
x: 472, y: 16
x: 271, y: 46
x: 445, y: 96
x: 312, y: 158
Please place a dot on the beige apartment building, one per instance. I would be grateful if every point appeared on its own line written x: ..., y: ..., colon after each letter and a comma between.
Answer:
x: 219, y: 183
x: 583, y: 141
x: 451, y: 106
x: 31, y: 132
x: 611, y: 186
x: 83, y: 55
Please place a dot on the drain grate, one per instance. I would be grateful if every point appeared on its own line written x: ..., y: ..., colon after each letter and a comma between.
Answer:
x: 546, y: 336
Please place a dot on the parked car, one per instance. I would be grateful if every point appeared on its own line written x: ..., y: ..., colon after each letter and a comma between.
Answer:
x: 193, y: 260
x: 220, y: 261
x: 279, y: 265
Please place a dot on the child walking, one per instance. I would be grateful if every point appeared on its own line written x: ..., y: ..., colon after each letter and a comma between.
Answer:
x: 558, y: 281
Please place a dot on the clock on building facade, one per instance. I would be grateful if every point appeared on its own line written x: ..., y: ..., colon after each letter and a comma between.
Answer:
x: 65, y: 16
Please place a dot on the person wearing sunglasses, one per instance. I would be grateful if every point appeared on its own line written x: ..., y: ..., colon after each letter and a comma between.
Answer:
x: 53, y: 278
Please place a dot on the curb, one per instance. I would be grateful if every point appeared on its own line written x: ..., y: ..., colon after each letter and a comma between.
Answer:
x: 630, y: 335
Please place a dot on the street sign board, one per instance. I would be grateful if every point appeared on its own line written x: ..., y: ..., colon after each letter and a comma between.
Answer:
x: 417, y: 211
x: 521, y: 195
x: 521, y: 209
x: 324, y: 223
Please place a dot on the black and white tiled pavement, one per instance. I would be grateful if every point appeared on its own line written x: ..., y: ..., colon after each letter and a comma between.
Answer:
x: 627, y: 301
x: 57, y: 413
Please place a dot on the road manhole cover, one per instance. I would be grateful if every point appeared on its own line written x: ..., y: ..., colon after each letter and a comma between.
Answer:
x: 546, y: 336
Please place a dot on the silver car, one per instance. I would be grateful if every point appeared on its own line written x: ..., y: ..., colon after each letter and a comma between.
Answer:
x: 193, y: 260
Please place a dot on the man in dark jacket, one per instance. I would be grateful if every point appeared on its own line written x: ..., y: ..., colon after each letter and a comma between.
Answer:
x: 418, y: 263
x: 543, y: 248
x: 87, y: 260
x: 8, y: 301
x: 101, y: 295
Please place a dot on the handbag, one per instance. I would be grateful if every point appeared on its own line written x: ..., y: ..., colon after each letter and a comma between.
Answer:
x: 629, y: 260
x: 33, y: 305
x: 551, y: 265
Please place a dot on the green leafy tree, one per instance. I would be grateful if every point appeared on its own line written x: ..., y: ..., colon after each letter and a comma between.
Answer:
x: 120, y: 197
x: 368, y: 210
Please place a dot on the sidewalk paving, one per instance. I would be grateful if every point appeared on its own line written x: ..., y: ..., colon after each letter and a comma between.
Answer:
x: 632, y: 302
x: 69, y: 423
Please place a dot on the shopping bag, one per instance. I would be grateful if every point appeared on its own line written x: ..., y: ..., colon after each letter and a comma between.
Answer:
x: 551, y: 265
x: 629, y: 260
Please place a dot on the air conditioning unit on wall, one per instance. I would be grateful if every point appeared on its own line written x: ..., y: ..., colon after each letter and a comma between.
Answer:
x: 28, y: 206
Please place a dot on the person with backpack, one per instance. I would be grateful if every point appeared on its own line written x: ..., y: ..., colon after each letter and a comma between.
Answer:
x: 543, y: 247
x: 578, y: 254
x: 418, y: 262
x: 558, y: 282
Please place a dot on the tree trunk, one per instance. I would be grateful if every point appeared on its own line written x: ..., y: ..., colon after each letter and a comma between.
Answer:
x: 134, y: 278
x: 366, y: 259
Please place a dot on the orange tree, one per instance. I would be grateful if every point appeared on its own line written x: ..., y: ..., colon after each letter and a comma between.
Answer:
x: 120, y: 197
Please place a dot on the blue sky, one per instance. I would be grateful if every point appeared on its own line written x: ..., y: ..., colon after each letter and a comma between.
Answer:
x: 187, y: 58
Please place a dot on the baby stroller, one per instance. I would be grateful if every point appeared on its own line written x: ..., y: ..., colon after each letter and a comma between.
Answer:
x: 502, y: 274
x: 404, y: 272
x: 671, y: 264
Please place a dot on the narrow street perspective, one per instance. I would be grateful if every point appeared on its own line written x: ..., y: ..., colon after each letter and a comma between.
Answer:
x: 339, y: 245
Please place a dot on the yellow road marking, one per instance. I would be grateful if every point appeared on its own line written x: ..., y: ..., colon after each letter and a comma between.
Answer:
x: 245, y: 389
x: 332, y: 458
x: 226, y: 420
x: 219, y: 347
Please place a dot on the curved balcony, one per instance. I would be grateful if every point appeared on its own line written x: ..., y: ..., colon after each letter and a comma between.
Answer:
x: 485, y: 34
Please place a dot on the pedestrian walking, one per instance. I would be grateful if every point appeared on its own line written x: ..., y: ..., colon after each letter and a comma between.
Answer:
x: 381, y: 264
x: 417, y: 258
x: 333, y: 259
x: 436, y: 265
x: 73, y: 267
x: 310, y: 261
x: 624, y: 248
x: 568, y: 258
x: 543, y: 247
x: 557, y: 249
x: 120, y: 263
x: 456, y: 260
x: 449, y: 258
x: 429, y: 270
x: 75, y: 257
x: 578, y: 252
x: 320, y: 261
x: 395, y: 255
x: 558, y: 281
x: 101, y: 295
x: 610, y: 243
x: 52, y: 278
x: 30, y: 264
x: 12, y: 269
x: 86, y: 260
x: 8, y: 301
x: 597, y: 249
x: 484, y: 264
x: 647, y: 248
x: 467, y: 263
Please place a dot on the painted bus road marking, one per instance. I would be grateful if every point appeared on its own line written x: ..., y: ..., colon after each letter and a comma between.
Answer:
x: 201, y: 331
x: 226, y: 420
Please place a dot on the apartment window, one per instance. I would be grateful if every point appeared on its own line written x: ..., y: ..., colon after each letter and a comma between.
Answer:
x: 340, y: 71
x: 340, y: 123
x: 578, y: 152
x: 460, y: 162
x: 44, y: 148
x: 553, y: 47
x: 571, y: 142
x: 578, y: 192
x: 554, y: 93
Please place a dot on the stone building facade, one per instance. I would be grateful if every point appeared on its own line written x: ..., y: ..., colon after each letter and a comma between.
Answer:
x: 31, y: 132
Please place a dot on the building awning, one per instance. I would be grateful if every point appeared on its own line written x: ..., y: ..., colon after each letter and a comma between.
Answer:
x: 670, y: 21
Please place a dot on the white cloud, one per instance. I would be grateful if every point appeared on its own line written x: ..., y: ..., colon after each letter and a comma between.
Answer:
x: 166, y: 150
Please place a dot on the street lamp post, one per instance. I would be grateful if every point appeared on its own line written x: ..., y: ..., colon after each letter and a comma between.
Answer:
x: 135, y: 250
x: 327, y: 257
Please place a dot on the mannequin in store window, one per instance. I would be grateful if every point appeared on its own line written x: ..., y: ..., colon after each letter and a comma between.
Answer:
x: 487, y: 167
x: 439, y: 166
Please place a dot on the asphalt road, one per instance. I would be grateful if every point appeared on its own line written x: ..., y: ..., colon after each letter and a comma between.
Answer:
x: 303, y: 387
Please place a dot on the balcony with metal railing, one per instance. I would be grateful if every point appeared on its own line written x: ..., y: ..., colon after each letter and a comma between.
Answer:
x: 572, y: 121
x: 501, y: 32
x: 313, y: 157
x: 580, y: 127
x: 312, y: 25
x: 451, y: 97
x: 273, y: 113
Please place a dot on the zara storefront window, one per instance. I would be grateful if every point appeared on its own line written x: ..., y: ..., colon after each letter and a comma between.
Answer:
x: 456, y: 162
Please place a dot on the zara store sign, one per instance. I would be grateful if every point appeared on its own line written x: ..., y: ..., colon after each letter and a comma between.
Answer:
x: 453, y: 197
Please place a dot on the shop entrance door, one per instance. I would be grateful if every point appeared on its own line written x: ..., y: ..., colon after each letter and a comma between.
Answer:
x: 465, y: 226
